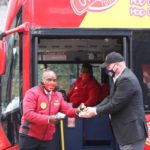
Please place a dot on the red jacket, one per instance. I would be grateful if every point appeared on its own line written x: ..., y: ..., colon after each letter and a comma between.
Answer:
x: 89, y: 93
x: 37, y: 107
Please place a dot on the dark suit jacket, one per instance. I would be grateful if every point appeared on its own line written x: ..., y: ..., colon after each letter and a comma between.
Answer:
x: 125, y: 104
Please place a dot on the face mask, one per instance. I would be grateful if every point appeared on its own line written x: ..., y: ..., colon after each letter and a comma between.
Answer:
x: 49, y: 86
x: 110, y: 73
x: 85, y: 76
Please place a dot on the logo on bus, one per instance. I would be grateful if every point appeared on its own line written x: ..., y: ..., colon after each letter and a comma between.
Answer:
x: 82, y: 6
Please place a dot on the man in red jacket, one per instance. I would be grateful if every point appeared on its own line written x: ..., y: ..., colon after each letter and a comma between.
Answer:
x: 86, y: 89
x: 40, y: 106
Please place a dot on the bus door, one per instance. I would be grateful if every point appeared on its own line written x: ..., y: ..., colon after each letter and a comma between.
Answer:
x: 11, y: 90
x: 65, y: 54
x: 11, y: 86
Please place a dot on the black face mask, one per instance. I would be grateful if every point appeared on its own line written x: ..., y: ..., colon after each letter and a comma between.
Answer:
x: 111, y: 73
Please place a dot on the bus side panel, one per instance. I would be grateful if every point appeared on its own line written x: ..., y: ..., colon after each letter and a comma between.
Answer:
x: 53, y: 14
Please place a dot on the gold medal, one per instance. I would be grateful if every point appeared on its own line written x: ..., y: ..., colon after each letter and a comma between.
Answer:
x: 43, y: 105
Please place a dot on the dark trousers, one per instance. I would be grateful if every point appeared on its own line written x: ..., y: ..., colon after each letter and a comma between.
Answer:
x: 30, y: 143
x: 139, y: 145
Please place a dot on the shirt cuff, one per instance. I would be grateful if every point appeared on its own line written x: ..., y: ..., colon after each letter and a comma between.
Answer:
x: 95, y: 111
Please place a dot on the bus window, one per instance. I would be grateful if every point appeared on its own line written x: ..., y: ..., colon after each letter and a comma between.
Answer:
x: 77, y: 49
x: 146, y: 80
x: 67, y: 73
x: 141, y: 63
x: 66, y: 55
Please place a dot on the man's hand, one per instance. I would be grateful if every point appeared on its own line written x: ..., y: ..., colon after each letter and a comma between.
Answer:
x: 53, y: 119
x: 88, y: 112
x: 80, y: 108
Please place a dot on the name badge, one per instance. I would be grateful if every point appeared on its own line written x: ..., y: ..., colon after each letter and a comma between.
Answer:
x: 43, y: 105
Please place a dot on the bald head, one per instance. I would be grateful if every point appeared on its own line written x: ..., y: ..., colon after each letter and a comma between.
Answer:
x: 47, y: 75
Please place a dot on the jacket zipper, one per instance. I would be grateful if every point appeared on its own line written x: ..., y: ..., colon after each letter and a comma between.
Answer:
x: 49, y: 112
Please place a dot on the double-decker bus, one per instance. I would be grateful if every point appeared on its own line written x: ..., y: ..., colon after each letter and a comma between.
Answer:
x: 61, y: 35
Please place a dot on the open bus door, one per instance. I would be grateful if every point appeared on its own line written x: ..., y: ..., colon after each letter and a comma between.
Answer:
x: 9, y: 90
x: 65, y: 54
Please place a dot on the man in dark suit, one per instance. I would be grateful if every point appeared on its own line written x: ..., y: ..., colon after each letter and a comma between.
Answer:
x: 124, y: 104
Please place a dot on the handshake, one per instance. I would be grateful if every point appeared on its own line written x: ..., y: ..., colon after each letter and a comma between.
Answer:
x: 86, y: 112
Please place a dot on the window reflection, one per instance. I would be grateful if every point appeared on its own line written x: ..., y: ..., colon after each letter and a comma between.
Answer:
x: 146, y: 83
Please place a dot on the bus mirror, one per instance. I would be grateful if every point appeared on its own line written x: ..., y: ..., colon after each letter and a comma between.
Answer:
x: 2, y: 57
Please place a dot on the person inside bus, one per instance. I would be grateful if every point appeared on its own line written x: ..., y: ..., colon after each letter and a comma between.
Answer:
x: 124, y: 105
x: 41, y: 105
x: 86, y: 89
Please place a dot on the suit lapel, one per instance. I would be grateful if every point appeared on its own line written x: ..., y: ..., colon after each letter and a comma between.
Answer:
x: 113, y: 85
x: 112, y: 88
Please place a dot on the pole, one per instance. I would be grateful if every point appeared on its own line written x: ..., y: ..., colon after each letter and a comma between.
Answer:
x: 62, y: 135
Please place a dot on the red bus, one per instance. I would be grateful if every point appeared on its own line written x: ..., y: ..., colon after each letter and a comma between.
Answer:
x: 62, y: 35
